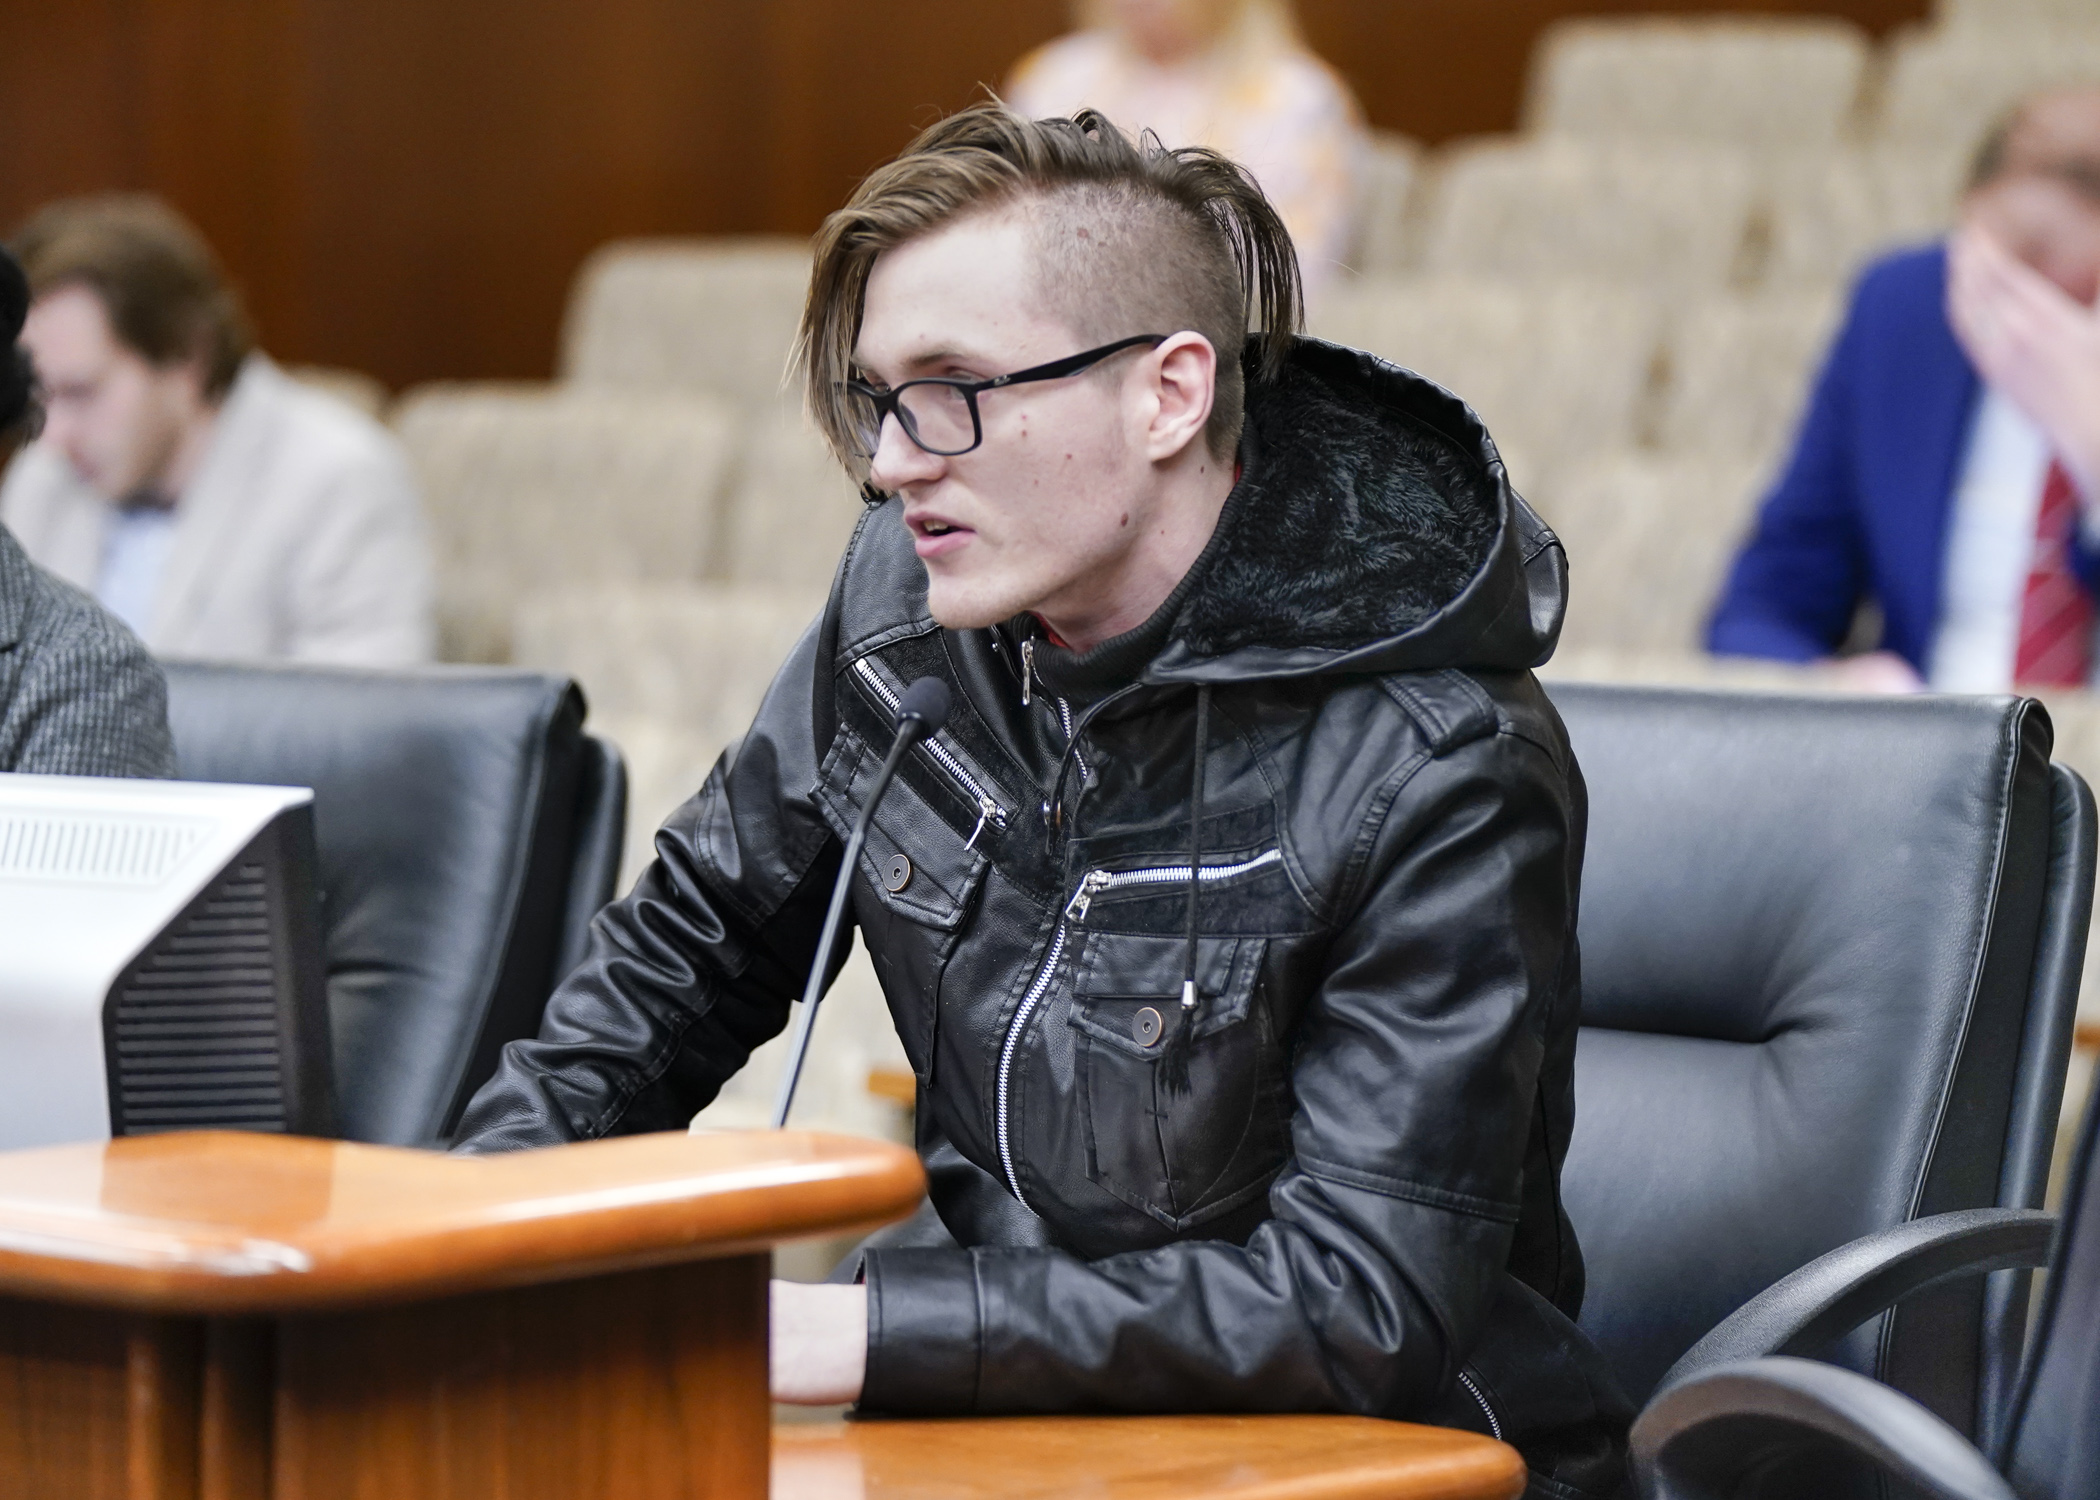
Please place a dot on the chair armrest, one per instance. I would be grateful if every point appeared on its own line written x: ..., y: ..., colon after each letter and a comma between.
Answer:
x: 1835, y: 1293
x: 1700, y: 1438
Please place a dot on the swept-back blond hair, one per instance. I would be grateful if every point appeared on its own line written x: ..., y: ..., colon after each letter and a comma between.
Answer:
x: 1128, y: 237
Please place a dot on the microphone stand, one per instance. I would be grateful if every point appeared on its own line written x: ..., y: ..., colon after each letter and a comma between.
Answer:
x: 923, y: 710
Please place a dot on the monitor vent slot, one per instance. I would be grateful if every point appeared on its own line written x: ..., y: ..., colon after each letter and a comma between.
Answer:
x: 121, y: 852
x: 196, y: 1021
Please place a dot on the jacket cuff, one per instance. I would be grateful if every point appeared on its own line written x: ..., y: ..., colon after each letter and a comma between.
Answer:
x: 924, y: 1332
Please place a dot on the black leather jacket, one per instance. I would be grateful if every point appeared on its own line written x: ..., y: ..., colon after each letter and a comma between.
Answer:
x: 1332, y: 1185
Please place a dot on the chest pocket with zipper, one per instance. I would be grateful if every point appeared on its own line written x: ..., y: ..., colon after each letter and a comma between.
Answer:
x: 918, y: 872
x: 1187, y: 1150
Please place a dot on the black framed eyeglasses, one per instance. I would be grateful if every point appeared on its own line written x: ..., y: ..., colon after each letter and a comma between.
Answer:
x: 940, y: 412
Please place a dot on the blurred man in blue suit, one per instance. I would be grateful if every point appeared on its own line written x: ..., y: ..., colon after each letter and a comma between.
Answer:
x: 1948, y: 468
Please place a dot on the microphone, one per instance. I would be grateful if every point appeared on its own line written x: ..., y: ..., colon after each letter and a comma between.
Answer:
x: 922, y: 710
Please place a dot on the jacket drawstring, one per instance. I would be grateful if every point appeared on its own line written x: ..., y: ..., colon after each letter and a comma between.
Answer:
x: 1174, y: 1060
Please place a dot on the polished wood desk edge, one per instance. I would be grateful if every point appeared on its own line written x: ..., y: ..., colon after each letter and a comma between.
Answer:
x: 381, y: 1225
x: 1310, y: 1455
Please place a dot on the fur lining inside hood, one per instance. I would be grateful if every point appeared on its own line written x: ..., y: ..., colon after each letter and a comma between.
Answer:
x: 1373, y: 530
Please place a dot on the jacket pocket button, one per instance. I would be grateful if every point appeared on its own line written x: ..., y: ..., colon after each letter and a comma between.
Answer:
x: 1146, y: 1026
x: 897, y: 874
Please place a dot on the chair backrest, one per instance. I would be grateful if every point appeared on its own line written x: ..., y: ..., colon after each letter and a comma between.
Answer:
x: 1966, y: 15
x: 2053, y: 1443
x: 675, y: 673
x: 791, y: 508
x: 1667, y: 218
x: 1754, y: 81
x: 1649, y: 539
x: 467, y: 830
x: 1945, y: 88
x: 1557, y: 369
x: 528, y: 487
x: 1739, y: 370
x: 1828, y: 212
x: 1384, y: 238
x: 712, y: 315
x: 1825, y: 990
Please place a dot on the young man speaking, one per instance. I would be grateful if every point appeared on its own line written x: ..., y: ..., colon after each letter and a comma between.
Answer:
x: 1229, y: 923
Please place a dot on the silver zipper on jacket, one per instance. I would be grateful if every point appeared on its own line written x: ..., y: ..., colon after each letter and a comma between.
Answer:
x: 988, y: 811
x: 1092, y: 884
x: 1494, y: 1426
x: 1037, y: 988
x: 1027, y: 670
x: 1100, y: 882
x: 1064, y: 717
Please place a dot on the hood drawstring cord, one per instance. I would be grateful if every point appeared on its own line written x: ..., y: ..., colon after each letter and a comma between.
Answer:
x: 1174, y: 1060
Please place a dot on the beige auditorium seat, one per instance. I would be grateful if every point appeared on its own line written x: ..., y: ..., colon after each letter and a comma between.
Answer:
x: 1827, y: 213
x: 1753, y: 81
x: 353, y: 388
x: 674, y: 674
x: 1738, y: 371
x: 1383, y: 240
x: 1649, y: 540
x: 1945, y: 88
x: 1670, y: 219
x: 1557, y: 370
x: 1964, y: 14
x: 715, y: 315
x: 695, y: 655
x: 1681, y: 667
x: 792, y: 507
x: 533, y: 487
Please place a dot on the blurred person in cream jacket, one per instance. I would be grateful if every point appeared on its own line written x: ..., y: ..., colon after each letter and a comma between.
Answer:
x: 203, y: 496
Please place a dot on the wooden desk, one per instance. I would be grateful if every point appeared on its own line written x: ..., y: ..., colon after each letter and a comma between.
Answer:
x: 251, y: 1317
x: 1140, y: 1458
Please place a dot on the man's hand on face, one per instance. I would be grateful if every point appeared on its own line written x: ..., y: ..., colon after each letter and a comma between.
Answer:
x: 819, y: 1343
x: 2027, y: 337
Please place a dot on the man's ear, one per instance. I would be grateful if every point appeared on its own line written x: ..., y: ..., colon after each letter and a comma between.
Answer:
x: 1187, y: 384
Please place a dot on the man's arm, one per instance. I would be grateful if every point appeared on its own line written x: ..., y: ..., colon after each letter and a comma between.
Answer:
x: 1800, y: 575
x: 89, y: 700
x: 1416, y: 1067
x: 697, y: 966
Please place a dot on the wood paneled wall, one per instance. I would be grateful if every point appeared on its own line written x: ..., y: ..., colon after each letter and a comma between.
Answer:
x: 406, y: 186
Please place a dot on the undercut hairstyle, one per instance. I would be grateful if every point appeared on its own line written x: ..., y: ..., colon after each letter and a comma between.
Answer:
x: 163, y: 290
x: 1127, y: 236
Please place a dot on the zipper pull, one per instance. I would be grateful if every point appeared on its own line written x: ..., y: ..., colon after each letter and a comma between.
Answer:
x: 1188, y: 996
x: 987, y: 812
x: 1075, y: 909
x: 1027, y: 669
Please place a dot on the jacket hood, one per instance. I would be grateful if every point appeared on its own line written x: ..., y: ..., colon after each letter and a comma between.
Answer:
x: 1373, y: 529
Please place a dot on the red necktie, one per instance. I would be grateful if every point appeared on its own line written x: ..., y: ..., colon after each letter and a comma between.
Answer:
x: 2056, y: 614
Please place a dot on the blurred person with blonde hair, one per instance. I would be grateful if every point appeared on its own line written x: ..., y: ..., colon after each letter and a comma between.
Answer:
x: 217, y: 506
x: 1233, y: 75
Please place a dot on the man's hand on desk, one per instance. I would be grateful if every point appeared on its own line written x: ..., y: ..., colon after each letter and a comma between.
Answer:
x: 819, y: 1344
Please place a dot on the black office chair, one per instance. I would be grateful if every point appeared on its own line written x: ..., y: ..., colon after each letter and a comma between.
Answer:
x: 1725, y: 1426
x: 468, y: 830
x: 1830, y: 959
